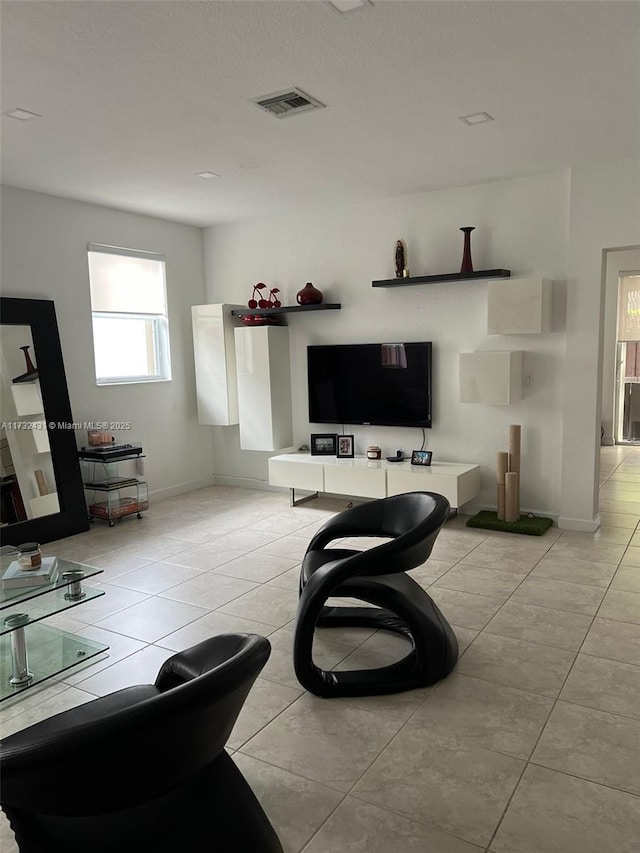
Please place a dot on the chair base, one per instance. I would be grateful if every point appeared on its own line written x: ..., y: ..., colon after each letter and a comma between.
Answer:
x: 401, y: 606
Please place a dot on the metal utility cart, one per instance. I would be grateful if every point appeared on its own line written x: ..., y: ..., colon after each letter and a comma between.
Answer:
x: 112, y: 496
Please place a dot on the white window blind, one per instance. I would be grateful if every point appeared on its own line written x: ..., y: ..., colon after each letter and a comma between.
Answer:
x: 129, y: 314
x: 629, y: 307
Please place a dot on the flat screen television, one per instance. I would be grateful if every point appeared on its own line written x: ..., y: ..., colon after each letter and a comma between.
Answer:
x: 386, y: 384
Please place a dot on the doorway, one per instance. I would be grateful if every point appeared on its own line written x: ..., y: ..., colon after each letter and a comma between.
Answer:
x: 627, y: 380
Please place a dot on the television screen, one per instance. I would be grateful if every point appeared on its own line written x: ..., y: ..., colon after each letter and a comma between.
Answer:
x: 386, y: 384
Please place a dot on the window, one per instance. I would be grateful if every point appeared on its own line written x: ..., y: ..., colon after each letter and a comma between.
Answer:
x: 129, y: 315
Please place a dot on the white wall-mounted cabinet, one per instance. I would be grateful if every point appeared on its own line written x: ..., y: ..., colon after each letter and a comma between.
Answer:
x: 44, y: 505
x: 494, y: 378
x: 215, y: 363
x: 27, y: 398
x: 40, y: 437
x: 519, y: 306
x: 264, y: 387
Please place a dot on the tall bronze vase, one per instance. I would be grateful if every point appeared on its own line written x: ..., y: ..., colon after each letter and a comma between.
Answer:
x: 467, y: 264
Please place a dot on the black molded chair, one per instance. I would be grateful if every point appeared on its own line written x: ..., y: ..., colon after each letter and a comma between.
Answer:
x: 143, y: 768
x: 377, y: 576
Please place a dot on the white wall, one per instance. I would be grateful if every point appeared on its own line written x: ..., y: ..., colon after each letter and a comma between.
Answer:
x: 44, y: 256
x: 605, y: 214
x: 521, y: 225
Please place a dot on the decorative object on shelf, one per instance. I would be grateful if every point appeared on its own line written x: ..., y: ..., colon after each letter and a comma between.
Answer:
x: 345, y: 447
x: 309, y: 295
x: 274, y: 302
x: 260, y: 320
x: 399, y: 457
x: 421, y: 457
x: 31, y: 372
x: 260, y: 302
x: 97, y: 437
x: 401, y: 260
x: 31, y: 368
x: 467, y: 265
x: 323, y: 444
x: 374, y: 452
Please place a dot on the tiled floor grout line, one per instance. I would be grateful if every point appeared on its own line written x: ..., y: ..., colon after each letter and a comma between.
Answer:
x: 551, y: 710
x: 425, y: 699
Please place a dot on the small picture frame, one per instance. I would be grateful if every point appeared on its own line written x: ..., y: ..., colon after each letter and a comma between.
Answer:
x: 323, y: 443
x: 421, y: 457
x: 345, y: 447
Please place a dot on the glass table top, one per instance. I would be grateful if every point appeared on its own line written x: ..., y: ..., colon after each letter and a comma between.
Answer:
x: 51, y: 652
x: 38, y: 602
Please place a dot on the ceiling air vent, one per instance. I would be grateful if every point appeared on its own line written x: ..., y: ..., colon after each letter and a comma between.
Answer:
x: 287, y: 103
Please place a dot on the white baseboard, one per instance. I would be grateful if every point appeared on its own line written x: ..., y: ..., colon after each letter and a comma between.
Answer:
x: 244, y: 483
x: 181, y: 489
x: 607, y: 442
x: 581, y: 524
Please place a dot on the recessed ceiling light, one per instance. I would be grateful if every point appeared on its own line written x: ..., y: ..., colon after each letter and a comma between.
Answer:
x: 23, y: 115
x: 476, y: 118
x: 207, y: 175
x: 344, y: 6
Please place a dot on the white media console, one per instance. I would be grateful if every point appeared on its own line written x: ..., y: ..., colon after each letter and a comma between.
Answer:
x: 459, y: 482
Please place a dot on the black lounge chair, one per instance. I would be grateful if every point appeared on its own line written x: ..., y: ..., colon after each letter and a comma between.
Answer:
x: 377, y: 576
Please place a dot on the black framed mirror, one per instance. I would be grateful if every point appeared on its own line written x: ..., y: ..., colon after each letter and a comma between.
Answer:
x: 63, y: 511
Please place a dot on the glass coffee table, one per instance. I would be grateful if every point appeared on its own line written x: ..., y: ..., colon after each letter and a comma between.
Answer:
x: 30, y: 651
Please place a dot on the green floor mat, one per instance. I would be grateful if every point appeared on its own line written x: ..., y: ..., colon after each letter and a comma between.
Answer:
x: 534, y: 525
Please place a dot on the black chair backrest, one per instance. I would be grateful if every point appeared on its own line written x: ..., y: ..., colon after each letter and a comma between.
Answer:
x: 412, y: 520
x: 112, y: 754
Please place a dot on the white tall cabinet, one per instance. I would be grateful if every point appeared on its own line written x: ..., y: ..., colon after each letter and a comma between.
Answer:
x: 264, y: 387
x: 215, y: 363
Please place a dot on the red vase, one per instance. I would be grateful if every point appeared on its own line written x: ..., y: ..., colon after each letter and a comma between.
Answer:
x: 467, y: 265
x: 30, y: 366
x: 309, y: 295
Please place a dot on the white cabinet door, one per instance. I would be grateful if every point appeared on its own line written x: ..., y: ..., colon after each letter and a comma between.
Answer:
x: 264, y: 387
x: 215, y: 364
x: 491, y: 377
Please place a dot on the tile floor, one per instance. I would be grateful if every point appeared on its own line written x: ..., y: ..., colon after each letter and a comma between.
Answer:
x: 532, y: 745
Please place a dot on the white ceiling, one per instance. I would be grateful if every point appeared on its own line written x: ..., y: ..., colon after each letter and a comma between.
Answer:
x: 136, y: 97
